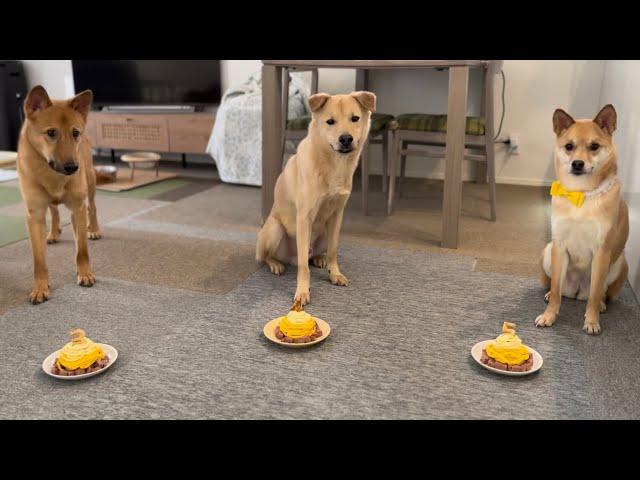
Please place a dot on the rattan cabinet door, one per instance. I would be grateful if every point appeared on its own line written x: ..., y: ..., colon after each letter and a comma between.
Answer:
x: 136, y: 132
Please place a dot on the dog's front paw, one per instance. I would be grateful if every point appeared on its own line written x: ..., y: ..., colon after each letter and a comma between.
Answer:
x: 320, y: 261
x: 86, y: 279
x: 40, y: 292
x: 52, y: 237
x: 545, y: 320
x: 303, y: 294
x: 276, y: 267
x: 338, y: 279
x: 591, y: 324
x: 94, y: 235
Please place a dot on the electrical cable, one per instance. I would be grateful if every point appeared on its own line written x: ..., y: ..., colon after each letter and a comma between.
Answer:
x: 504, y: 83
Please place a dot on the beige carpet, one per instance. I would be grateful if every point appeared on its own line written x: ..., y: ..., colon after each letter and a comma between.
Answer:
x: 226, y: 206
x: 512, y: 244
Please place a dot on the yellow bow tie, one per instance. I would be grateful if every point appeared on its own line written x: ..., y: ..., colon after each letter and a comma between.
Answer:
x: 577, y: 198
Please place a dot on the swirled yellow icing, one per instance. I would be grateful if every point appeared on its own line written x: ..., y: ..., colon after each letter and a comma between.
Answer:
x: 297, y: 324
x: 507, y: 347
x: 80, y: 352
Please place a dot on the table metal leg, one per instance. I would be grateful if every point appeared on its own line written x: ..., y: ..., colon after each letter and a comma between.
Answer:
x: 456, y: 122
x: 271, y: 133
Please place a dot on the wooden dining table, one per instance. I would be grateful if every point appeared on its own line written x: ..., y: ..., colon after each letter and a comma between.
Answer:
x: 457, y: 108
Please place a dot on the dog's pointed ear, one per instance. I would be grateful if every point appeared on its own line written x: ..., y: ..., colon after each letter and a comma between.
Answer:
x: 607, y: 119
x: 36, y: 101
x: 318, y: 100
x: 561, y: 121
x: 366, y: 99
x: 82, y: 102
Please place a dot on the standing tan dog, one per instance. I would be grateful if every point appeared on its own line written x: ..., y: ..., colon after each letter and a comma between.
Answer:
x: 590, y: 220
x: 312, y: 191
x: 55, y: 166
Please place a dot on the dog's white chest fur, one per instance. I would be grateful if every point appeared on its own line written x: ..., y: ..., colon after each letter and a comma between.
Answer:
x: 580, y: 236
x: 582, y: 231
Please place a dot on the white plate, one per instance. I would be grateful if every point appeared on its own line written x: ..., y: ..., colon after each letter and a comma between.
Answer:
x: 269, y: 331
x: 47, y: 365
x: 476, y: 353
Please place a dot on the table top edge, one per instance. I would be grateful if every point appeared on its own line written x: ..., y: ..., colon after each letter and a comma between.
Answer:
x: 376, y: 63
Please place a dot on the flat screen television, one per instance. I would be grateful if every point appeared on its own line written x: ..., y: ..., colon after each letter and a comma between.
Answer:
x: 149, y: 82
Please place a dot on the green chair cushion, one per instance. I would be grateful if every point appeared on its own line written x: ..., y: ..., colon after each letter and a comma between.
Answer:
x: 299, y: 123
x: 436, y: 123
x: 379, y: 121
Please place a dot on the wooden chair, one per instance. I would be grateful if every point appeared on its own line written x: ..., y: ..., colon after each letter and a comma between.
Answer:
x: 378, y: 134
x: 295, y: 129
x: 430, y: 130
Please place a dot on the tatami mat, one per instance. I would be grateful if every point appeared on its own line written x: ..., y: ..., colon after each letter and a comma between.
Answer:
x: 9, y: 195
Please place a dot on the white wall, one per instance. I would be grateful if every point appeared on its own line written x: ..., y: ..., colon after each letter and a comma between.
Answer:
x: 619, y: 87
x: 534, y: 89
x: 54, y: 75
x: 237, y: 71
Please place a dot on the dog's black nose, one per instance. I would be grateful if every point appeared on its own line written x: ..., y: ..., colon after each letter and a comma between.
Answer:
x: 70, y: 168
x: 345, y: 140
x: 577, y: 165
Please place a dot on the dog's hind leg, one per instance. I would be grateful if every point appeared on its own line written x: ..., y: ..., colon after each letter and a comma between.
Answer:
x: 319, y: 249
x: 54, y: 230
x: 270, y: 237
x: 545, y: 270
x: 616, y: 285
x: 93, y: 230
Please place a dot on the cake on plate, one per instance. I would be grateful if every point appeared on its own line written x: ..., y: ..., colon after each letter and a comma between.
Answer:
x: 297, y: 326
x: 507, y: 351
x: 81, y: 355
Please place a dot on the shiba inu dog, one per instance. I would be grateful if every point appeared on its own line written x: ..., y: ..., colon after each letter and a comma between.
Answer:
x: 55, y: 166
x: 313, y: 189
x: 590, y: 220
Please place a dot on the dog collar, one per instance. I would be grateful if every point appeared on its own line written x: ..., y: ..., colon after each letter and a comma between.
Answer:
x: 577, y: 197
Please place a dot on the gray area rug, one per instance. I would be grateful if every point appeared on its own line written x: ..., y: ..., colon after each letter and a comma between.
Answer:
x: 399, y: 349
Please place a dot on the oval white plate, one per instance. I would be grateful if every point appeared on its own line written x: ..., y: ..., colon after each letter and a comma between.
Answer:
x: 269, y: 331
x: 47, y: 364
x: 476, y: 353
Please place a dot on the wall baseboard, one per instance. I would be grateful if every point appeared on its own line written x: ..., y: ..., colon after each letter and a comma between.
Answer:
x: 530, y: 182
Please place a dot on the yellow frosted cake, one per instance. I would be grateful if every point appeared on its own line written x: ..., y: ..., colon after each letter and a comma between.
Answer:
x: 297, y: 326
x: 80, y: 355
x: 507, y: 352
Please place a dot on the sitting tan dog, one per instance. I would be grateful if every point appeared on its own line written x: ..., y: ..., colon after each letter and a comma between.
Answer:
x: 589, y: 219
x: 55, y: 166
x: 313, y: 189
